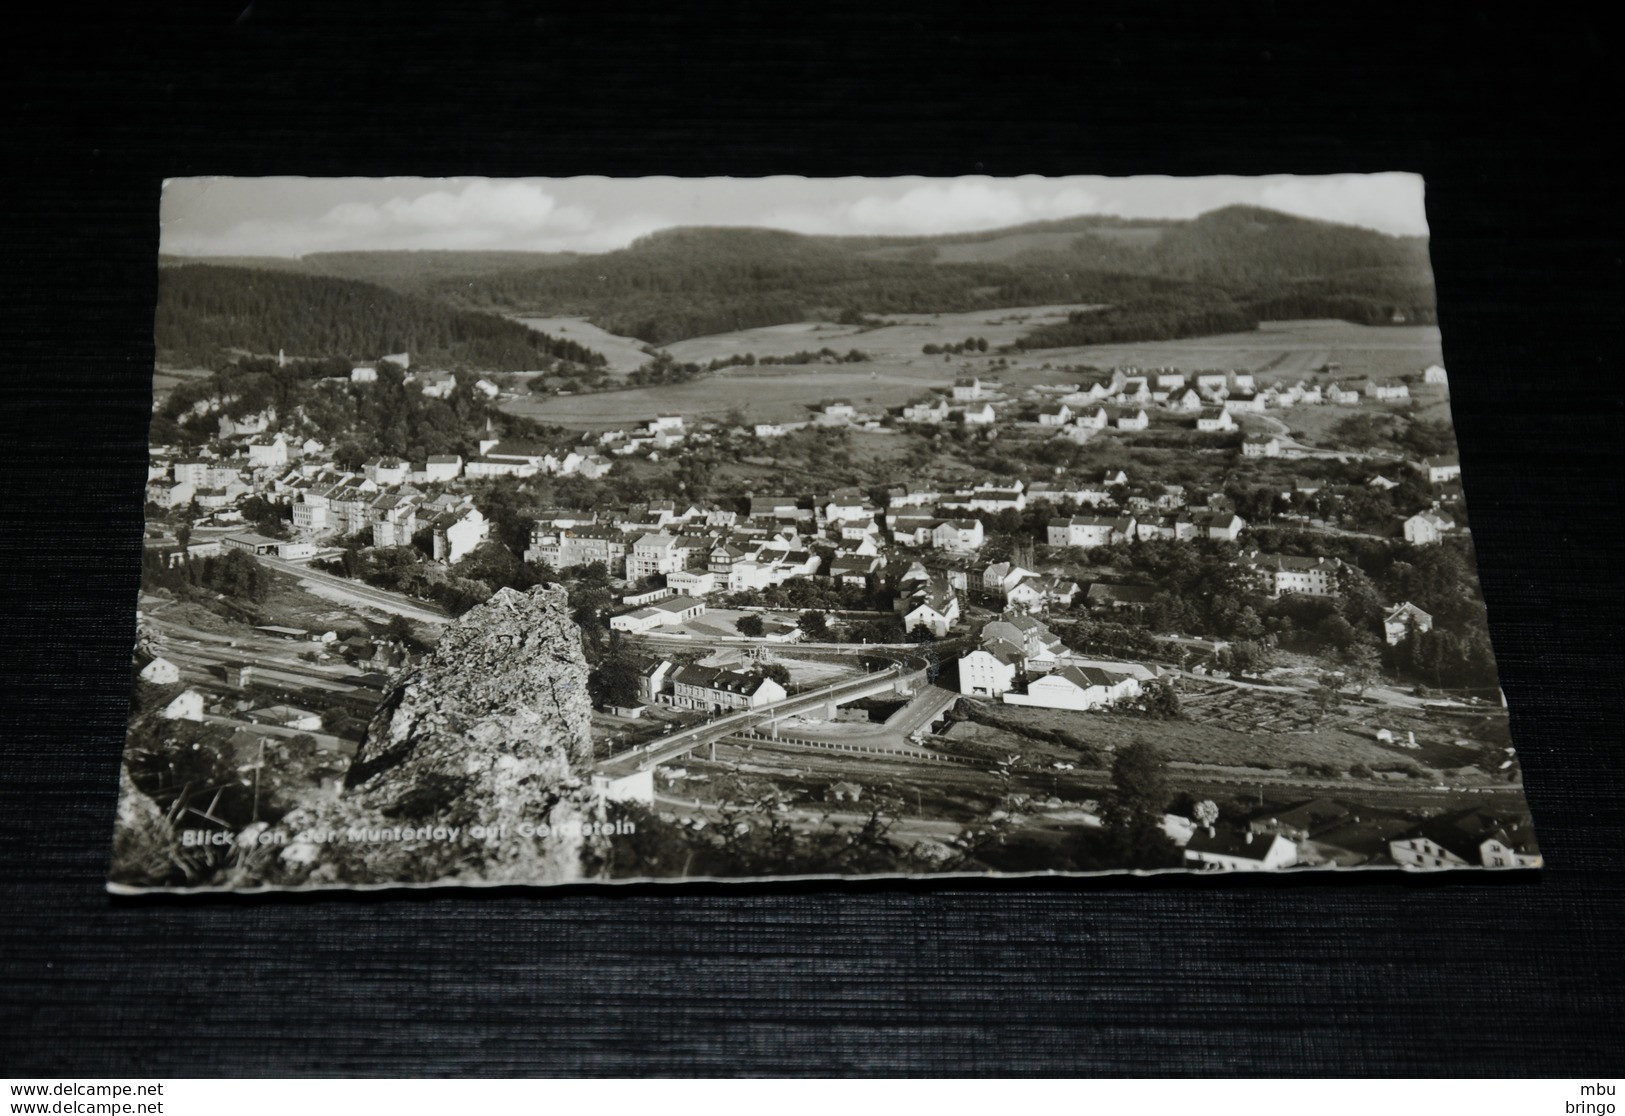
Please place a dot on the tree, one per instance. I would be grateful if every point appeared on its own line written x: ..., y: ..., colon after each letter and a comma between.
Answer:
x: 815, y: 625
x: 750, y: 625
x: 1133, y: 810
x: 1206, y: 812
x: 778, y: 672
x: 614, y: 681
x: 1362, y: 668
x: 1162, y: 700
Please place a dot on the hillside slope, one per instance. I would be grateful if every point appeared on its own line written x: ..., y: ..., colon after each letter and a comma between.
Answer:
x: 205, y: 310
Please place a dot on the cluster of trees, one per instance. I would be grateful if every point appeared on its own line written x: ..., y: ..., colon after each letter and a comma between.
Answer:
x: 968, y: 345
x: 690, y: 282
x: 235, y: 574
x: 204, y: 310
x: 1189, y: 312
x: 826, y: 355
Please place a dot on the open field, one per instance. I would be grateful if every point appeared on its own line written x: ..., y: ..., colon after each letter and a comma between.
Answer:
x: 763, y: 396
x: 623, y: 353
x: 1276, y: 350
x: 899, y: 372
x: 901, y: 340
x: 1231, y: 727
x: 164, y: 380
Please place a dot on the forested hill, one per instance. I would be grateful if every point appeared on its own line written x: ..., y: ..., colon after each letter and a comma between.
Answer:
x: 1258, y: 263
x: 205, y: 310
x: 688, y: 282
x: 1225, y: 270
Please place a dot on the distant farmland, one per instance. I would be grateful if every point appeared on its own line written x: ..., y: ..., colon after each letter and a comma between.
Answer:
x: 899, y: 372
x: 623, y: 353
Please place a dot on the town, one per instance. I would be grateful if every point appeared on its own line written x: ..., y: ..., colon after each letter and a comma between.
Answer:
x: 1042, y: 618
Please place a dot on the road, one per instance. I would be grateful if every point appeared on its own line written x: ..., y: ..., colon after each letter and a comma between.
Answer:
x: 360, y: 594
x: 665, y: 748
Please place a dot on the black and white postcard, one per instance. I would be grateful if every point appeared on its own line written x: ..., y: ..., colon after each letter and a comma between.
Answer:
x: 580, y: 530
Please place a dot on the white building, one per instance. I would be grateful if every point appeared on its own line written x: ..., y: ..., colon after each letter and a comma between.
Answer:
x: 989, y: 673
x: 1076, y: 687
x: 1228, y: 851
x: 440, y: 469
x: 1426, y: 528
x: 457, y: 534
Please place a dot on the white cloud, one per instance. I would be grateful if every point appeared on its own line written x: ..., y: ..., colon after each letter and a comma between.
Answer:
x: 1391, y: 203
x: 479, y: 214
x: 963, y: 205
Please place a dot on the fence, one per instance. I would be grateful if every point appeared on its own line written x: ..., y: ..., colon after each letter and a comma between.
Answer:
x: 857, y: 748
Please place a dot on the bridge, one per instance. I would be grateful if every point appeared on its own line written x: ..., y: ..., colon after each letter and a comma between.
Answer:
x: 763, y: 720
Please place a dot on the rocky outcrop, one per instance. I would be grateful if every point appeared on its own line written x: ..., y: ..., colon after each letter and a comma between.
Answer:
x: 474, y: 766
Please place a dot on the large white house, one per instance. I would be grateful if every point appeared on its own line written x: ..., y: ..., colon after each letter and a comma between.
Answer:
x: 1089, y: 530
x: 1225, y: 850
x: 1077, y: 687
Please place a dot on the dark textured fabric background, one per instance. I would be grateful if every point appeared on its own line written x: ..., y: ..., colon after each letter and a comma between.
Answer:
x: 1513, y: 122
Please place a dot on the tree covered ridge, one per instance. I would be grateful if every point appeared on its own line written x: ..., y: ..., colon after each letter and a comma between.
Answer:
x: 204, y: 310
x: 687, y: 282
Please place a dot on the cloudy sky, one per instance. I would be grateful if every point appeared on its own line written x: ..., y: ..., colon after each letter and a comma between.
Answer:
x: 295, y: 216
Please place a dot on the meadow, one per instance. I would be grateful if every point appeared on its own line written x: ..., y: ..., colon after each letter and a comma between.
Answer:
x: 899, y: 372
x: 623, y: 353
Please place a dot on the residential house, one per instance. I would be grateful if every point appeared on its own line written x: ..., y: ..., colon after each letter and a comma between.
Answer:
x: 990, y: 670
x: 692, y: 583
x: 718, y: 690
x: 1476, y: 837
x: 1221, y: 525
x: 160, y: 672
x: 768, y: 430
x: 1000, y: 576
x: 1176, y: 527
x: 457, y: 533
x: 653, y: 554
x: 1213, y: 385
x: 393, y: 516
x: 1440, y: 469
x: 1133, y: 420
x: 934, y: 607
x: 968, y: 390
x: 855, y: 569
x: 1038, y: 592
x: 1215, y: 420
x: 1184, y: 401
x: 441, y: 468
x: 1249, y: 401
x: 933, y: 413
x: 1434, y: 374
x: 1389, y: 392
x: 1056, y: 414
x: 1426, y: 528
x: 958, y: 534
x: 1261, y: 445
x: 1090, y: 530
x: 1104, y: 595
x: 1283, y: 573
x: 1041, y: 649
x: 437, y: 385
x: 186, y: 706
x: 979, y: 416
x: 1093, y: 419
x: 1404, y: 618
x: 268, y: 453
x: 1228, y: 850
x: 1342, y: 397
